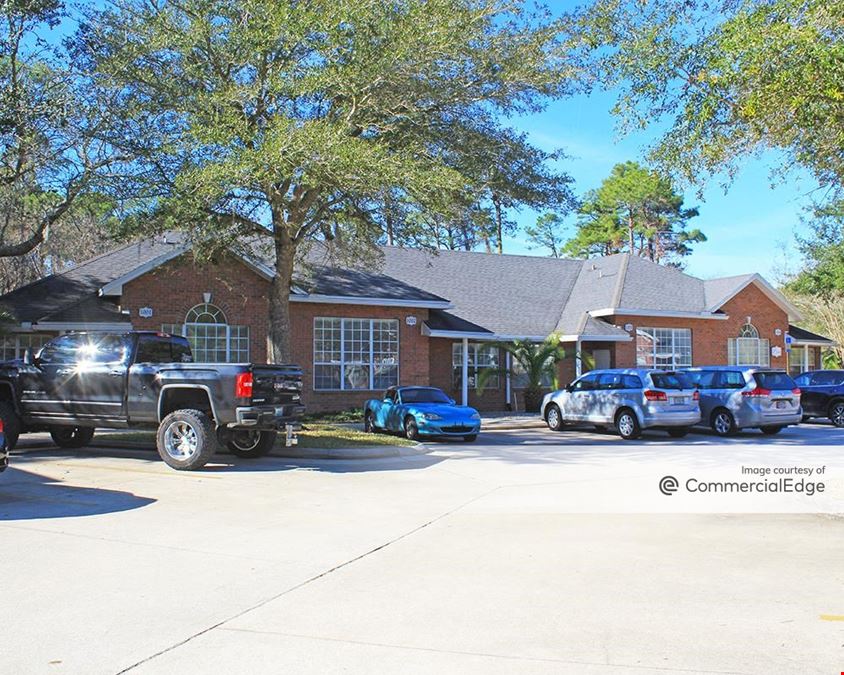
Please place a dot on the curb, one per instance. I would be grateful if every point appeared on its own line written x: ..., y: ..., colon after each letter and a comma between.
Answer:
x: 294, y: 452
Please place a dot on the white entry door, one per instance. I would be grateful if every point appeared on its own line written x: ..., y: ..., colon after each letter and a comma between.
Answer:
x: 602, y: 358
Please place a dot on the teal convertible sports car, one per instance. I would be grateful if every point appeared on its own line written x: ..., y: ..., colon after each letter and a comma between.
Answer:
x: 420, y: 411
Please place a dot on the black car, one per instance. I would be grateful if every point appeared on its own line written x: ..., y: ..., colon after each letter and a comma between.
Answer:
x: 823, y: 395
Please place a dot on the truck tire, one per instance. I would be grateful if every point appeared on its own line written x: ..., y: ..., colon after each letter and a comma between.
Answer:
x: 250, y: 444
x: 72, y: 437
x: 11, y: 424
x: 186, y: 439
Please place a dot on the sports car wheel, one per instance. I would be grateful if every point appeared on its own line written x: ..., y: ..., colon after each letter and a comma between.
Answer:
x: 411, y: 430
x: 369, y: 423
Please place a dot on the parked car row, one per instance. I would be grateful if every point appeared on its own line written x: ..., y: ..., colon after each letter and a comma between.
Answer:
x: 723, y: 398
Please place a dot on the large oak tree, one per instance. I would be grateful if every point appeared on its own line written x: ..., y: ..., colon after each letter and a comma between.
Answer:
x: 296, y: 120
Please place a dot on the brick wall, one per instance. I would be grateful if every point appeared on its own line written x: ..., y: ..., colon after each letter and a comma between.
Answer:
x: 172, y: 289
x: 709, y: 336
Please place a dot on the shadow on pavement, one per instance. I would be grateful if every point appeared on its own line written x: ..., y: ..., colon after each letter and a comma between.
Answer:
x: 26, y: 495
x: 223, y: 462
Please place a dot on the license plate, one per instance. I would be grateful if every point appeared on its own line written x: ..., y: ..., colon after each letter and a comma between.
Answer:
x: 679, y: 400
x: 781, y: 405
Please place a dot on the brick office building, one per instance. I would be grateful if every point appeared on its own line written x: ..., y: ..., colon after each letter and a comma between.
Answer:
x: 417, y: 318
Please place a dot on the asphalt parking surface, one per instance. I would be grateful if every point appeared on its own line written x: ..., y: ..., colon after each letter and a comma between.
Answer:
x: 512, y: 554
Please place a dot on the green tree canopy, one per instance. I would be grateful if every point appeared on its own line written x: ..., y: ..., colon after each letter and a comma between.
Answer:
x: 53, y: 146
x: 547, y: 234
x: 729, y: 78
x: 637, y: 210
x: 296, y: 120
x: 823, y: 253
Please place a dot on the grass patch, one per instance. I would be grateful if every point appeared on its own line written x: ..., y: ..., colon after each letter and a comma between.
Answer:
x: 315, y: 436
x: 327, y: 437
x: 344, y: 416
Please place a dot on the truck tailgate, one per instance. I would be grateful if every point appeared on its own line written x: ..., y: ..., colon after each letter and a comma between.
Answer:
x: 276, y: 384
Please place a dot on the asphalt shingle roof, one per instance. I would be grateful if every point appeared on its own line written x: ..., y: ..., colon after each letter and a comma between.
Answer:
x: 802, y: 334
x: 507, y: 295
x: 72, y: 295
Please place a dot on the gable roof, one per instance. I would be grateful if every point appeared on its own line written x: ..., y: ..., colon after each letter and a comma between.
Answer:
x: 71, y: 296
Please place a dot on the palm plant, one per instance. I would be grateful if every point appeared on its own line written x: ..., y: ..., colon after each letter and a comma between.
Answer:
x: 536, y: 360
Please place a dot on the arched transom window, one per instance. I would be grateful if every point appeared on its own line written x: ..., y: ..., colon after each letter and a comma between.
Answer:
x: 748, y: 349
x: 212, y: 338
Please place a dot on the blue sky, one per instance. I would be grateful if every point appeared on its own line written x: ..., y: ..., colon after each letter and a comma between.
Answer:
x: 750, y: 228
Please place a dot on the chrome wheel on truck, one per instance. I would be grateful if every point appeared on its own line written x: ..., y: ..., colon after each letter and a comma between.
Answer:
x: 250, y: 443
x: 186, y: 439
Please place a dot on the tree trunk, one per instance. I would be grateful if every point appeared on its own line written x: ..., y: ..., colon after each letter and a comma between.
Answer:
x: 630, y: 230
x: 279, y: 346
x: 498, y: 223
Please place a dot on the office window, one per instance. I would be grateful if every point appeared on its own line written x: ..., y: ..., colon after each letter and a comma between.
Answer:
x: 748, y: 349
x: 352, y: 354
x: 663, y: 347
x: 212, y: 339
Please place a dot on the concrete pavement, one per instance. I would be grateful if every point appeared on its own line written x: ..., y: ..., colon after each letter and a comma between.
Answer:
x: 463, y: 560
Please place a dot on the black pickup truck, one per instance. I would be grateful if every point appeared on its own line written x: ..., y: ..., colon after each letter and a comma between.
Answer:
x: 81, y: 381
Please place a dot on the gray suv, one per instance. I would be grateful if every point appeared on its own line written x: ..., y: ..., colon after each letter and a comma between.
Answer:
x: 736, y: 397
x: 629, y: 399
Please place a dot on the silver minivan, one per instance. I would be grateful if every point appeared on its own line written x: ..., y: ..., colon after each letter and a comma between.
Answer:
x: 737, y: 397
x: 629, y: 399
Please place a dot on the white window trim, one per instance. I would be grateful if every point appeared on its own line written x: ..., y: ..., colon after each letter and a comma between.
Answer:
x: 342, y: 362
x: 674, y: 364
x: 183, y: 331
x: 763, y: 352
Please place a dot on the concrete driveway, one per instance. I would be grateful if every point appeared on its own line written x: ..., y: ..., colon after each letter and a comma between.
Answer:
x: 507, y: 555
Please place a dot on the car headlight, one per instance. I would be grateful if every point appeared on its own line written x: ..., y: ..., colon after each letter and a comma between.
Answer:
x: 476, y: 416
x: 431, y: 416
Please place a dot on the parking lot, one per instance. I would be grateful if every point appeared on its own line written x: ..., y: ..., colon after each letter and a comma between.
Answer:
x: 528, y: 552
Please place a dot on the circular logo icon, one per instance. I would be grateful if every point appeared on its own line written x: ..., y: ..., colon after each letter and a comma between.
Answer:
x: 668, y: 485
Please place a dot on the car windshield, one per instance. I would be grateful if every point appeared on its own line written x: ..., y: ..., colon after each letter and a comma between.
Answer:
x: 774, y: 381
x: 671, y: 381
x: 424, y: 395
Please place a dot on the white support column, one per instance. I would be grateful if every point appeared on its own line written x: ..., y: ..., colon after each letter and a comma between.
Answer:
x: 578, y: 361
x: 507, y: 378
x: 805, y: 358
x: 465, y: 373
